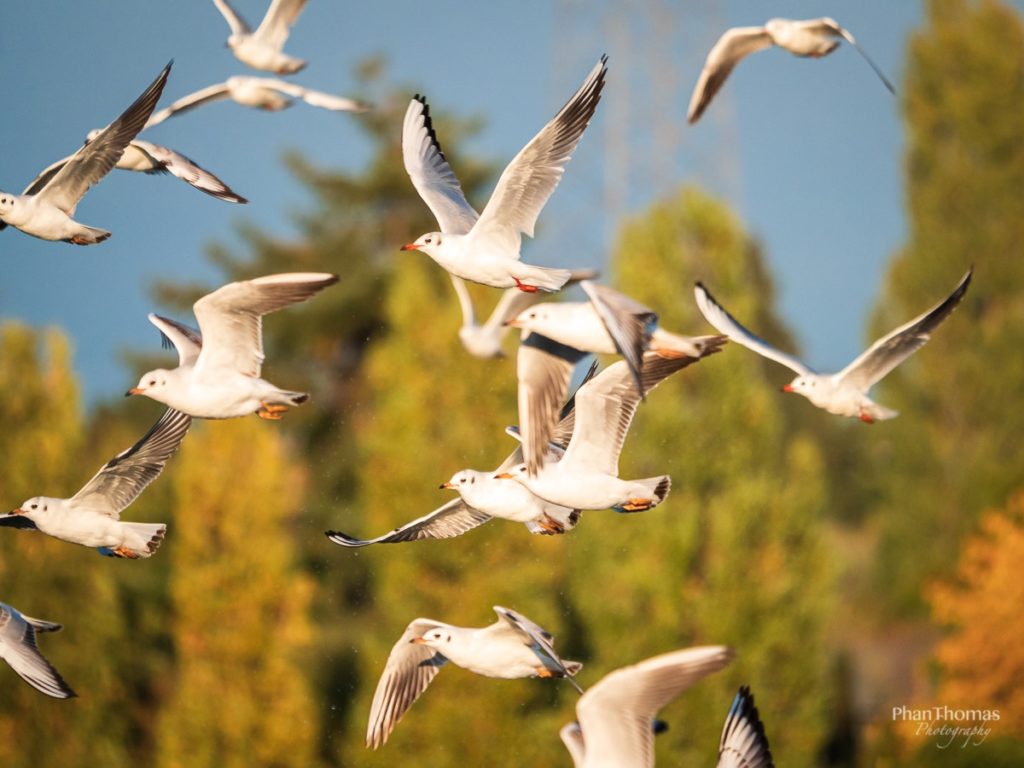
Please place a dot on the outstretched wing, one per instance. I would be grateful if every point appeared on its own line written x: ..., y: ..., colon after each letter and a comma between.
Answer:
x: 744, y: 743
x: 723, y: 56
x: 539, y: 639
x: 236, y: 22
x: 188, y: 342
x: 892, y: 349
x: 95, y: 159
x: 453, y: 519
x: 18, y: 648
x: 628, y: 322
x: 185, y: 103
x: 188, y: 171
x: 278, y: 22
x: 126, y: 475
x: 834, y: 28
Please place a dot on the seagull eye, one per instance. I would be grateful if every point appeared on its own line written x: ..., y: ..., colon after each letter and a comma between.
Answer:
x: 34, y: 506
x: 462, y: 480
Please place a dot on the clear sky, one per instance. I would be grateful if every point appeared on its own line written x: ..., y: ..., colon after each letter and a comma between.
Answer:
x: 808, y: 151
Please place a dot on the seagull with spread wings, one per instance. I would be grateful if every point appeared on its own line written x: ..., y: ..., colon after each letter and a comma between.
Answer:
x: 19, y: 649
x: 844, y: 393
x: 811, y: 37
x: 513, y: 647
x: 485, y: 248
x: 92, y: 517
x: 262, y: 49
x: 45, y: 210
x: 218, y: 373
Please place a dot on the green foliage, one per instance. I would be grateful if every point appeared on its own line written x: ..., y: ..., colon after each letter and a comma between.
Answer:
x: 959, y: 428
x: 239, y: 606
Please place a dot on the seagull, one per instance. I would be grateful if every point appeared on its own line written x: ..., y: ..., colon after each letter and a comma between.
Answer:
x: 482, y: 497
x: 613, y: 727
x: 152, y: 158
x: 259, y: 92
x: 218, y: 373
x: 45, y: 210
x: 92, y: 517
x: 18, y: 648
x: 811, y: 37
x: 262, y: 49
x: 512, y: 647
x: 609, y: 323
x: 844, y: 393
x: 484, y: 341
x: 744, y: 743
x: 485, y: 248
x: 587, y: 477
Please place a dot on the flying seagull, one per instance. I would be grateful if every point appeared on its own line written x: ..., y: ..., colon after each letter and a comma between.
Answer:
x: 844, y: 393
x: 485, y: 248
x: 811, y: 37
x: 262, y: 49
x: 18, y: 648
x: 266, y: 93
x: 512, y: 647
x: 46, y: 210
x: 92, y: 517
x: 218, y: 373
x: 147, y: 157
x: 613, y: 718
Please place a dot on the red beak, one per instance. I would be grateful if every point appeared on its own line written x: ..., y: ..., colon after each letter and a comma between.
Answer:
x: 409, y: 247
x: 788, y: 388
x: 17, y: 511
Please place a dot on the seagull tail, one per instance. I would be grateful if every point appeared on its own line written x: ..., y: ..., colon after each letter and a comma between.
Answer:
x: 90, y: 236
x: 544, y: 278
x: 142, y: 539
x: 672, y: 345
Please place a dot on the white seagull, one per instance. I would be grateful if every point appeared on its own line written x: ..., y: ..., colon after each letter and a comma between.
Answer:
x: 260, y: 93
x: 743, y: 743
x: 512, y: 647
x: 811, y: 37
x: 45, y: 211
x: 18, y: 648
x: 587, y: 477
x: 484, y: 341
x: 483, y: 497
x: 613, y: 728
x: 92, y: 517
x: 844, y: 393
x: 147, y: 157
x: 218, y: 373
x: 262, y: 49
x: 486, y: 248
x: 610, y: 323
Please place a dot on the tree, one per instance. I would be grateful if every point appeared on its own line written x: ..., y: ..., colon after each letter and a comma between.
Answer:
x: 956, y: 448
x: 236, y: 695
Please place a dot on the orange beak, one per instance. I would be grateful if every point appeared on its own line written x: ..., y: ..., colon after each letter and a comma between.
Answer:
x: 788, y: 388
x: 133, y: 391
x: 503, y: 476
x: 418, y: 640
x: 513, y: 323
x: 17, y: 511
x: 409, y: 247
x: 445, y: 486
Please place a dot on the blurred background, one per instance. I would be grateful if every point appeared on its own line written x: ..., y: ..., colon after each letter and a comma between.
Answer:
x: 855, y: 569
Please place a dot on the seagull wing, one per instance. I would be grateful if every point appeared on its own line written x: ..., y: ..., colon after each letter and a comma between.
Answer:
x: 411, y: 667
x: 278, y: 22
x: 214, y: 92
x: 528, y: 181
x: 605, y: 407
x: 446, y: 522
x: 726, y: 53
x: 892, y: 349
x: 743, y: 743
x: 314, y: 98
x: 236, y: 22
x: 717, y: 315
x: 18, y: 648
x: 829, y: 25
x: 188, y: 171
x: 615, y: 714
x: 231, y: 318
x: 187, y: 341
x: 628, y: 322
x: 126, y: 475
x: 543, y: 368
x: 538, y: 638
x: 95, y: 159
x: 430, y: 173
x: 45, y: 176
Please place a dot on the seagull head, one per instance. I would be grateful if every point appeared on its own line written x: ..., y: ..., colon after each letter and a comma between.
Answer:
x: 541, y: 318
x: 435, y: 638
x: 233, y: 40
x: 151, y: 384
x: 811, y: 386
x: 460, y: 480
x: 34, y: 508
x: 517, y: 473
x: 429, y: 243
x: 7, y: 201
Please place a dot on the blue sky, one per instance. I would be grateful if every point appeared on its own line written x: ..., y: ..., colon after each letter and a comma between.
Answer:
x: 809, y: 152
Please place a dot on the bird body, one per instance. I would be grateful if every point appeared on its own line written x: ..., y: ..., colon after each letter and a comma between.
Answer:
x: 262, y: 49
x: 90, y: 525
x: 511, y: 501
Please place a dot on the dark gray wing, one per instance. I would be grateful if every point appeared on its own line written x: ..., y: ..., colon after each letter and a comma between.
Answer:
x: 453, y: 519
x: 126, y: 475
x: 628, y: 322
x: 45, y: 176
x: 537, y: 636
x: 18, y: 648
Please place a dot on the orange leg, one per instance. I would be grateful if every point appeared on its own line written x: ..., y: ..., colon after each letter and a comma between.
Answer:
x: 637, y: 505
x: 524, y: 287
x: 866, y: 417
